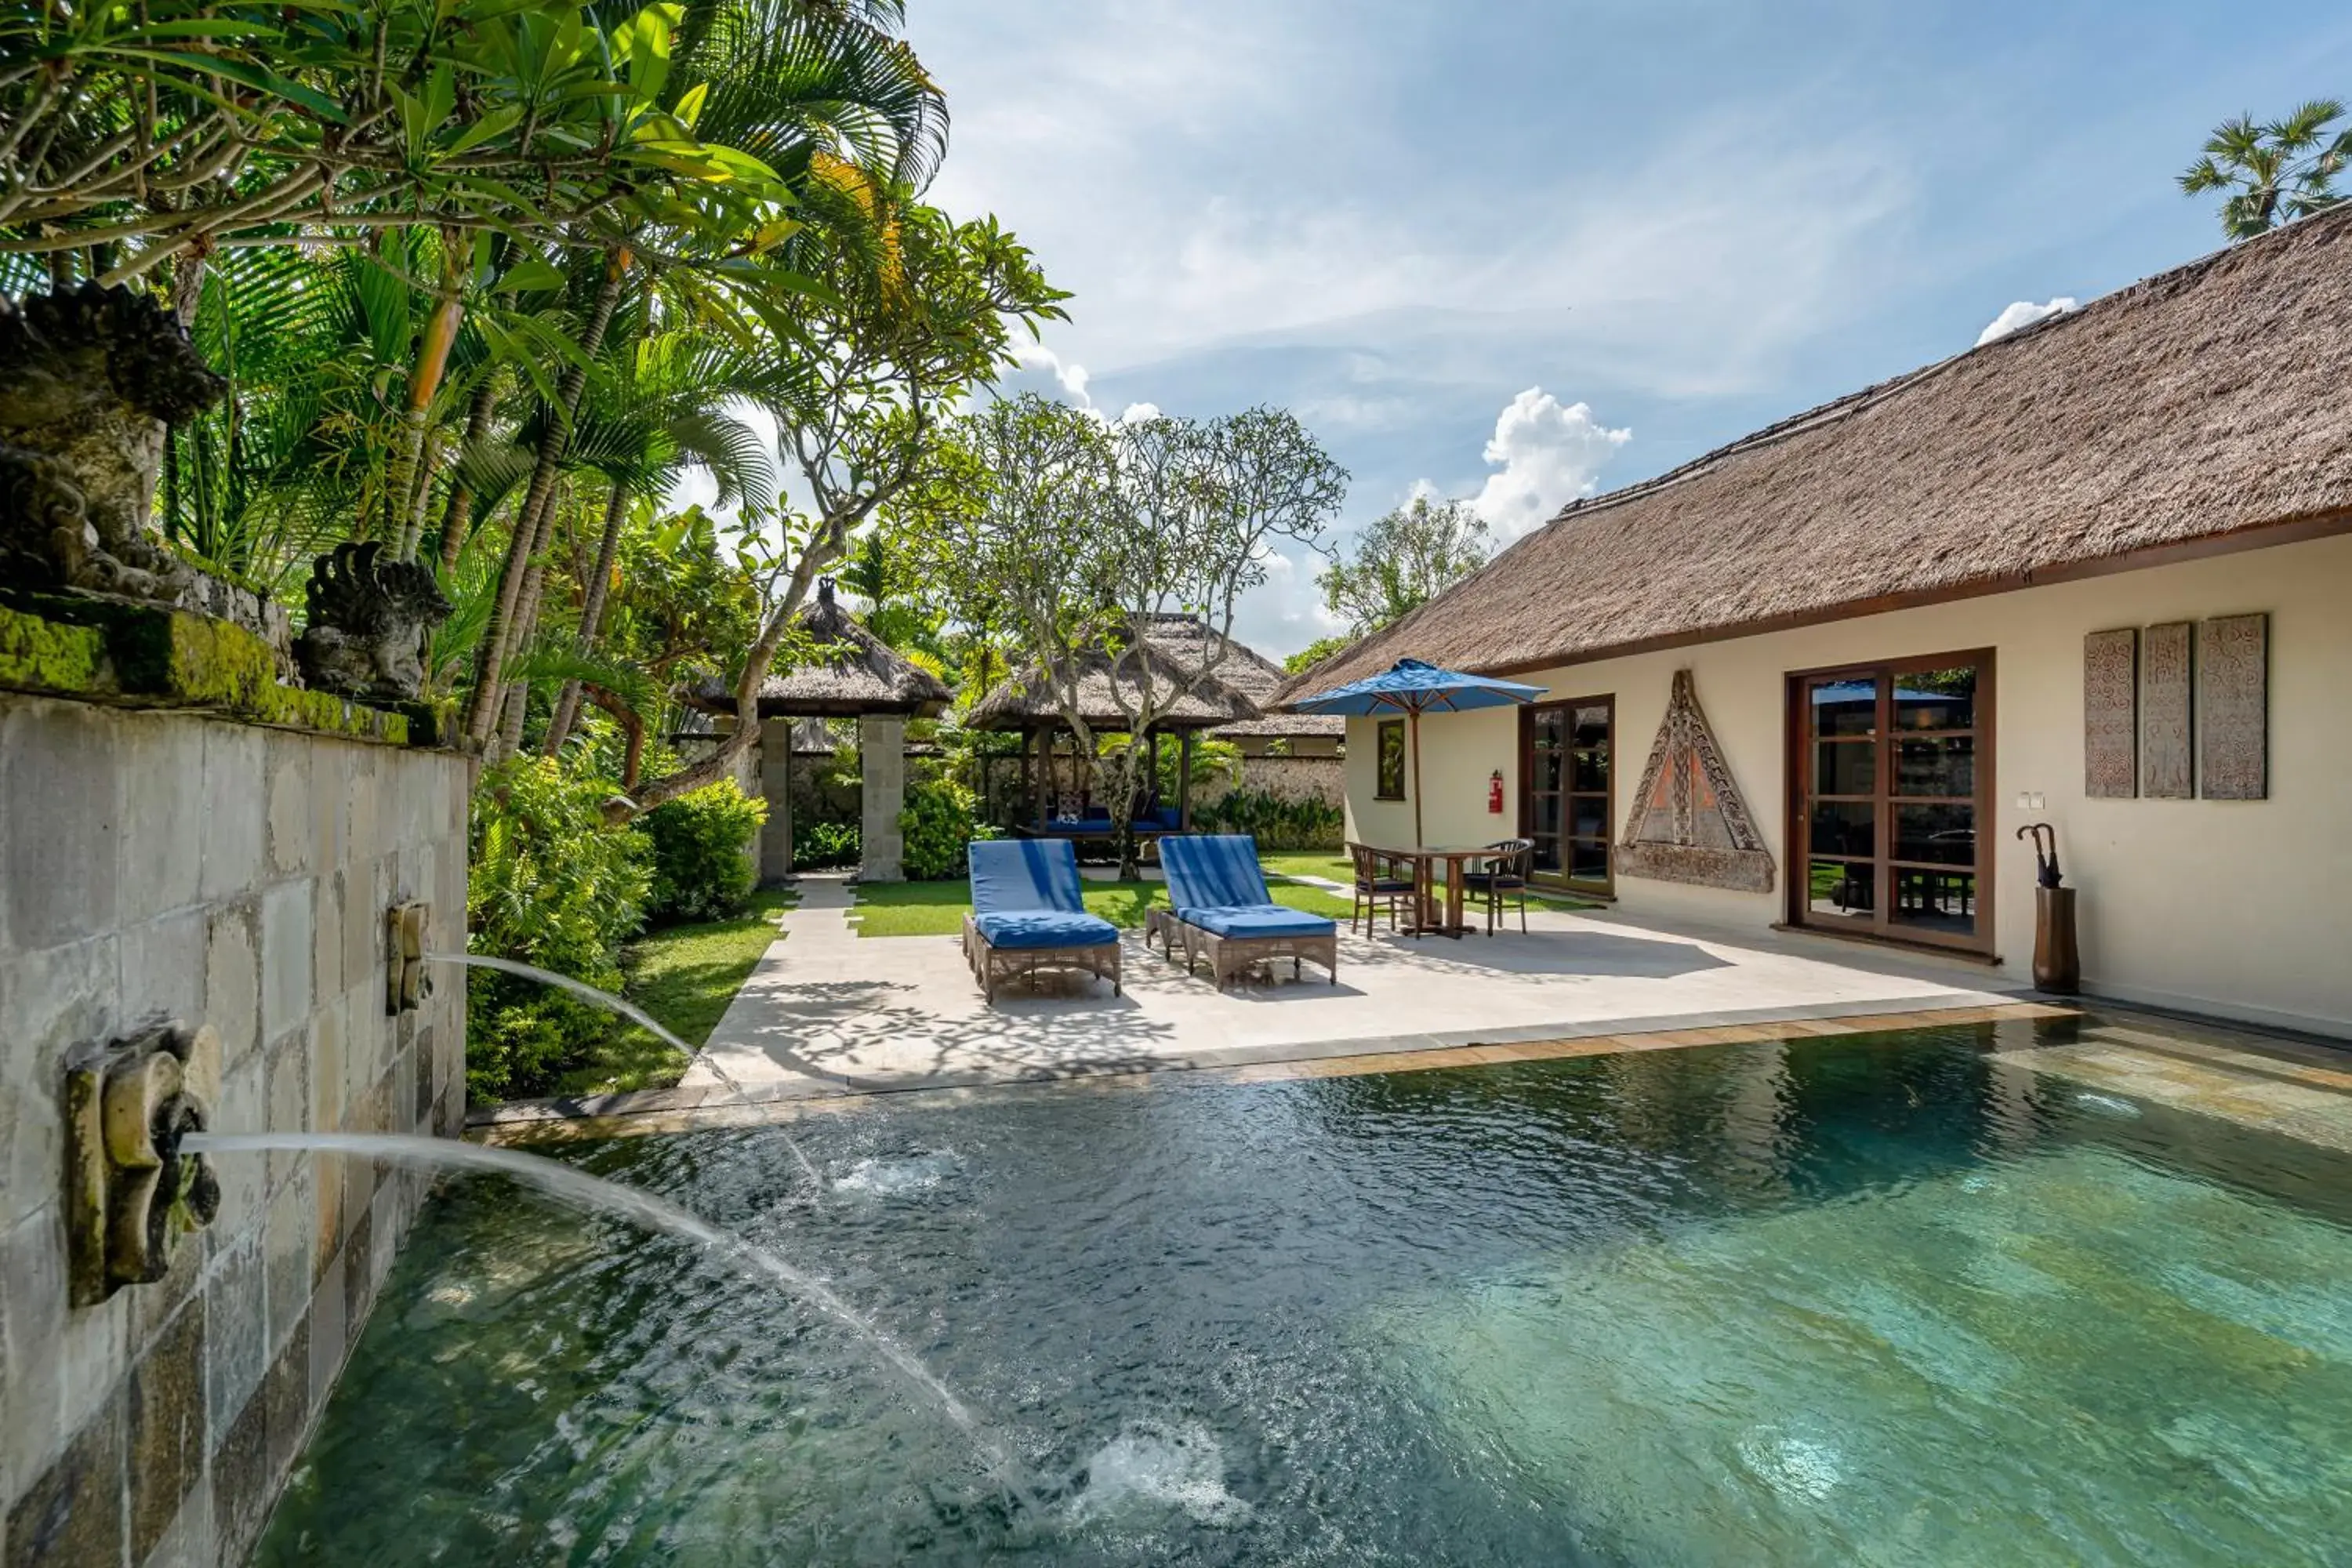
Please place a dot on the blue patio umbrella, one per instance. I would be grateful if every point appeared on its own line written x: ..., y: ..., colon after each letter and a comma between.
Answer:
x: 1412, y: 687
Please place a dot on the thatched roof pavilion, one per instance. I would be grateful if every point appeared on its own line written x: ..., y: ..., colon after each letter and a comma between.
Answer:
x: 1027, y: 700
x: 856, y: 675
x: 2172, y: 417
x: 1226, y: 702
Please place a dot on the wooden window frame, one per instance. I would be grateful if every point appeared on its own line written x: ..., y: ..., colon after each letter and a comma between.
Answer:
x: 1880, y: 926
x: 1380, y: 759
x: 1606, y: 887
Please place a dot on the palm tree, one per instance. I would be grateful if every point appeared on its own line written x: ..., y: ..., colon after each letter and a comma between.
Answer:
x: 2276, y: 173
x: 805, y: 87
x: 674, y: 404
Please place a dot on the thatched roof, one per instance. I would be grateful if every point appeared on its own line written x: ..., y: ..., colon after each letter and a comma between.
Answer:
x: 1172, y: 645
x: 855, y: 673
x: 2197, y: 405
x: 1188, y: 639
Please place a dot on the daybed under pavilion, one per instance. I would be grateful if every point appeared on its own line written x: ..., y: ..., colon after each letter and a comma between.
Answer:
x: 1025, y: 704
x: 854, y: 675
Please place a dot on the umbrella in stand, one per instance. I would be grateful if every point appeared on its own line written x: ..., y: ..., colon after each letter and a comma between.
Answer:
x: 1411, y: 688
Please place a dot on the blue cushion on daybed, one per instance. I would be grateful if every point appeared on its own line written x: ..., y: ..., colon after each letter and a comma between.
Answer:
x: 1046, y: 928
x: 1213, y: 871
x: 1257, y: 919
x: 1024, y: 875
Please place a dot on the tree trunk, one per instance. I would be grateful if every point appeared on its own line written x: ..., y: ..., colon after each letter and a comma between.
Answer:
x: 532, y: 521
x: 459, y: 513
x: 402, y: 519
x: 591, y: 614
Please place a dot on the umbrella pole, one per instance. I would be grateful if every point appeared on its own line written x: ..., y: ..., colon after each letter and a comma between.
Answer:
x: 1413, y: 723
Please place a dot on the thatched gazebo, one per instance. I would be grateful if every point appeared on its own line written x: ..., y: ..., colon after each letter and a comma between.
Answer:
x: 854, y: 675
x: 1025, y: 704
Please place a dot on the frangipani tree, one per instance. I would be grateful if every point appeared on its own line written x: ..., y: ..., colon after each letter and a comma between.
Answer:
x: 1081, y: 540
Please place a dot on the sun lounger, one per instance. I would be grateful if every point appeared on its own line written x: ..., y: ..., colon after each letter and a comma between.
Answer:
x: 1218, y: 905
x: 1027, y: 916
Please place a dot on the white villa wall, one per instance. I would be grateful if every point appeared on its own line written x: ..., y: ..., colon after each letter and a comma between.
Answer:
x: 2238, y: 908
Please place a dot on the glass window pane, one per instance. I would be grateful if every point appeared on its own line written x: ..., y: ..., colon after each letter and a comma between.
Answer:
x: 1844, y: 829
x: 1846, y: 707
x: 1591, y: 727
x: 1547, y: 853
x: 1840, y: 887
x: 1546, y: 770
x: 1390, y: 784
x: 1935, y: 699
x: 1845, y: 767
x: 1945, y: 834
x: 1944, y: 766
x: 1936, y: 901
x: 1588, y: 817
x: 1547, y: 815
x: 1588, y: 862
x: 1591, y: 771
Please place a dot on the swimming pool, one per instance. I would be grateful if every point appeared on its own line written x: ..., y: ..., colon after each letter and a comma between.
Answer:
x: 1891, y: 1298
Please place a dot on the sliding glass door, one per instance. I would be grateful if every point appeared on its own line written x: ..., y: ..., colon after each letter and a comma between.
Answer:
x: 1891, y: 799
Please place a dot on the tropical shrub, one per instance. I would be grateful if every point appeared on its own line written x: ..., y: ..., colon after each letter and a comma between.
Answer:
x: 1278, y: 823
x: 552, y: 886
x: 941, y: 819
x: 701, y: 870
x: 825, y: 846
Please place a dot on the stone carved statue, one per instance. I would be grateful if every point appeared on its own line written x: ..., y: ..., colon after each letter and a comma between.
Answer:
x: 369, y: 620
x: 91, y: 379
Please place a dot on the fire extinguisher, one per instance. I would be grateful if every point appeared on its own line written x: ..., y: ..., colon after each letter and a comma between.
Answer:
x: 1495, y: 793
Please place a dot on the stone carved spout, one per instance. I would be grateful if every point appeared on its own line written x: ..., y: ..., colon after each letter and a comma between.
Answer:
x: 132, y: 1194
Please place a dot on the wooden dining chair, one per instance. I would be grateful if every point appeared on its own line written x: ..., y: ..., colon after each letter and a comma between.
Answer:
x: 1378, y: 876
x: 1502, y: 875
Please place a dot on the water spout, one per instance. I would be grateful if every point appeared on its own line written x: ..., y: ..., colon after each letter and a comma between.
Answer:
x: 578, y: 1188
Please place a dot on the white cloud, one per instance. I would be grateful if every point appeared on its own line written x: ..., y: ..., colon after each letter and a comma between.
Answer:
x: 1068, y: 374
x: 2024, y: 313
x: 1549, y: 454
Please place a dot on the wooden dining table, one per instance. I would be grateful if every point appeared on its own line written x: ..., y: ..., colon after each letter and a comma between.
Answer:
x: 1429, y: 918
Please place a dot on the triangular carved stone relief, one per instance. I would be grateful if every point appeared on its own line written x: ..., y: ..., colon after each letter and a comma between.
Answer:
x: 1688, y: 822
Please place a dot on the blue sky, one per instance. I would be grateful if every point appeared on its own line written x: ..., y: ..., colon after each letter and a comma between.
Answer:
x: 1518, y: 251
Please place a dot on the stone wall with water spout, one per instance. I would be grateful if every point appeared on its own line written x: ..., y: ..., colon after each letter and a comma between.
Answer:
x: 176, y: 866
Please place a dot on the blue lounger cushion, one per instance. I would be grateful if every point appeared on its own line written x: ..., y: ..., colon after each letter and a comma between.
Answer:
x: 1213, y: 871
x: 1024, y: 876
x: 1044, y: 928
x: 1257, y: 919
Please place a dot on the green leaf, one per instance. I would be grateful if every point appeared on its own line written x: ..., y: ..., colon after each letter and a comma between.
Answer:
x: 496, y: 123
x: 532, y: 273
x: 276, y: 86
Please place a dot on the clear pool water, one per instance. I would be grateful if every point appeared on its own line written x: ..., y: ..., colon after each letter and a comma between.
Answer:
x: 1883, y: 1300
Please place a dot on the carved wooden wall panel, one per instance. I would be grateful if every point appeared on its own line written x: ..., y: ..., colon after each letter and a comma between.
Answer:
x: 2233, y: 707
x: 2110, y: 714
x: 1689, y: 822
x: 2167, y: 761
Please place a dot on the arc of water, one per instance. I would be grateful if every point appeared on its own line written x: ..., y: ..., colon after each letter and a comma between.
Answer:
x: 582, y: 1190
x: 626, y: 1009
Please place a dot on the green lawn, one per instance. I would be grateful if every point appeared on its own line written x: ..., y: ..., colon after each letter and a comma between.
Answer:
x: 936, y: 909
x: 1308, y: 863
x: 684, y: 975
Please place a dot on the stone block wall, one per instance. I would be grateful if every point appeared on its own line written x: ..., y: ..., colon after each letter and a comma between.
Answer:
x: 163, y: 865
x: 1284, y: 778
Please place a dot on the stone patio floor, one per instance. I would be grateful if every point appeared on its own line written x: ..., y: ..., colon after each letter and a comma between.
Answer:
x: 828, y: 1008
